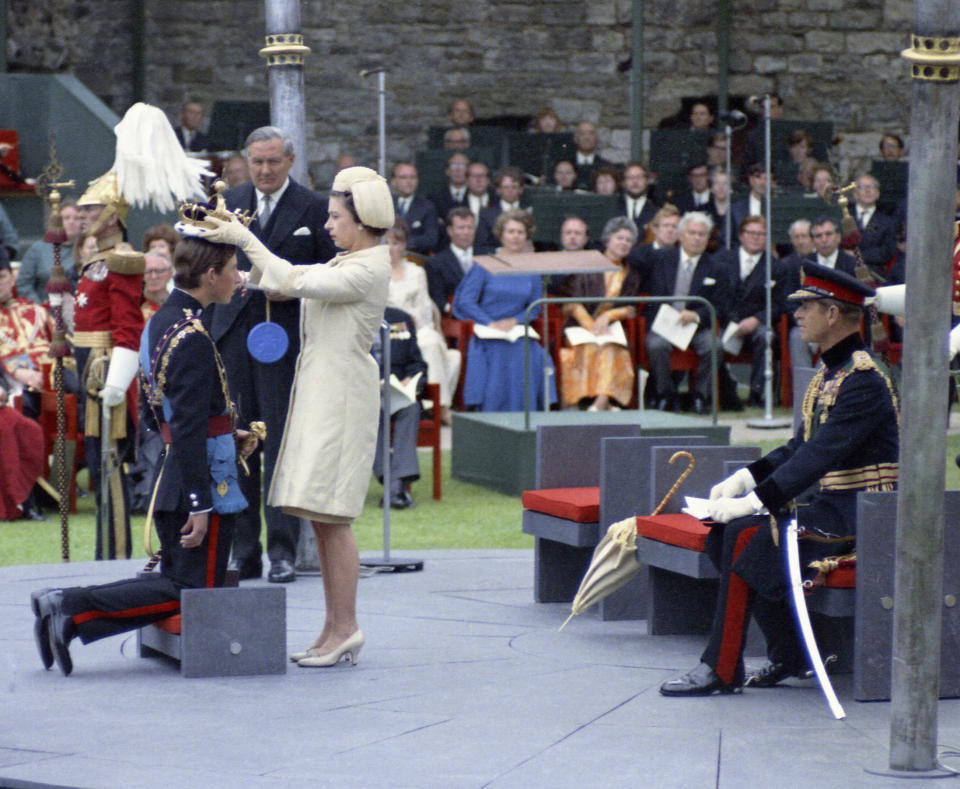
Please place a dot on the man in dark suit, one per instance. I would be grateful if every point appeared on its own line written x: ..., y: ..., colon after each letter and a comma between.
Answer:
x: 826, y: 243
x: 289, y: 220
x: 753, y: 203
x: 634, y: 201
x: 587, y: 140
x: 453, y: 194
x: 189, y: 133
x: 196, y: 490
x: 747, y: 269
x: 445, y: 269
x: 417, y: 212
x: 681, y: 272
x: 508, y: 183
x: 697, y: 197
x: 406, y: 362
x: 878, y: 241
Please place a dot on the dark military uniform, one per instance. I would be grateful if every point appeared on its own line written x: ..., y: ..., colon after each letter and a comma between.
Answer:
x: 848, y: 442
x: 183, y: 380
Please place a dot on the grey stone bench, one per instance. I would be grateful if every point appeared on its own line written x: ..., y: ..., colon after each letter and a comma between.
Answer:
x: 223, y: 632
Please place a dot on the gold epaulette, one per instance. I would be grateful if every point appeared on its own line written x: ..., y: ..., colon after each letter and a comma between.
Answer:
x: 864, y: 361
x: 124, y: 259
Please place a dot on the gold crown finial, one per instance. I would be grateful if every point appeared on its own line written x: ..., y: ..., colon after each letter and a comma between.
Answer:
x: 195, y: 213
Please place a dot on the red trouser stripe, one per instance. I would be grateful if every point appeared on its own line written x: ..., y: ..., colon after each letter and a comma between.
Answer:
x: 170, y: 607
x: 735, y: 614
x: 213, y: 533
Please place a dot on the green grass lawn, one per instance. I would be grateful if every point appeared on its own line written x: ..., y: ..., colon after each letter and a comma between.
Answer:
x: 468, y: 516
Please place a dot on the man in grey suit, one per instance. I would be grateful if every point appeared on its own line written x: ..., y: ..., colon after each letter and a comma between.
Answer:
x: 289, y: 220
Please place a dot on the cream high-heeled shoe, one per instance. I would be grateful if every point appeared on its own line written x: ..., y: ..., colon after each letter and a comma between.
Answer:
x: 298, y: 656
x: 349, y: 649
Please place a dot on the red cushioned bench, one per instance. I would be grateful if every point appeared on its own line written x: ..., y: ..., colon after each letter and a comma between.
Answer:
x: 683, y: 580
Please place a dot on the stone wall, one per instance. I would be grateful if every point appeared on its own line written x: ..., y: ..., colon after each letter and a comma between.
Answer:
x: 829, y: 59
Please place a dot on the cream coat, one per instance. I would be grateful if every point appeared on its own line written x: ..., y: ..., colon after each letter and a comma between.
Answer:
x: 326, y: 456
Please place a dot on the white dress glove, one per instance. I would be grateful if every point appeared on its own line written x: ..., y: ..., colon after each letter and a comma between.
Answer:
x: 954, y: 340
x: 726, y: 509
x: 738, y: 483
x: 123, y: 367
x: 234, y: 232
x: 227, y: 231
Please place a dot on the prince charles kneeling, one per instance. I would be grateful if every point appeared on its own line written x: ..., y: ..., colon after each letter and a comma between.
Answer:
x: 848, y: 442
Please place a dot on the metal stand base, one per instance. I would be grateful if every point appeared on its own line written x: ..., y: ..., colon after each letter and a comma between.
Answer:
x: 394, y: 565
x: 769, y: 424
x: 927, y: 774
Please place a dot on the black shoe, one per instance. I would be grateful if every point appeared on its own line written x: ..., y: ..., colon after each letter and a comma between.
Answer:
x: 408, y: 499
x: 281, y: 572
x: 702, y: 681
x: 42, y: 605
x: 398, y: 501
x: 246, y: 569
x: 755, y: 400
x: 61, y: 630
x: 665, y: 404
x: 700, y: 406
x: 772, y: 674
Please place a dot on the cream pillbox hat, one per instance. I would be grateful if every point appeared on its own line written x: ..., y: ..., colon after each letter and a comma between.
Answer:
x: 371, y: 195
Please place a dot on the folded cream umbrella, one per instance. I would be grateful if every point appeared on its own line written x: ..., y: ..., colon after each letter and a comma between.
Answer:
x: 614, y: 562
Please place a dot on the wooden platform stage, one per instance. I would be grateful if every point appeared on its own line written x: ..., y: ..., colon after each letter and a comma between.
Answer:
x: 496, y: 451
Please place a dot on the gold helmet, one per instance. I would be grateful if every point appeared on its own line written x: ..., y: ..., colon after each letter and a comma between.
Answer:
x: 104, y: 191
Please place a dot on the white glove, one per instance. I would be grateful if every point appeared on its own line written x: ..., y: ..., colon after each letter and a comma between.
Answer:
x: 227, y: 231
x: 725, y: 509
x: 955, y: 340
x: 738, y: 483
x: 123, y: 367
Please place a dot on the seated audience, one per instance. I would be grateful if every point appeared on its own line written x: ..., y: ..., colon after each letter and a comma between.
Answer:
x: 508, y: 183
x: 717, y: 150
x: 452, y: 195
x: 547, y: 121
x: 161, y: 239
x: 494, y: 379
x: 479, y: 192
x: 589, y: 371
x: 26, y: 331
x: 574, y: 236
x: 795, y: 168
x: 635, y: 201
x: 605, y: 180
x: 697, y: 195
x: 755, y: 148
x: 892, y: 148
x: 823, y: 180
x: 417, y: 212
x: 685, y: 271
x: 8, y: 235
x: 565, y: 176
x: 878, y: 240
x: 189, y: 133
x: 157, y: 282
x: 663, y: 227
x: 460, y: 112
x: 36, y: 264
x: 456, y: 139
x: 719, y: 205
x: 754, y: 203
x: 586, y: 140
x: 408, y: 292
x: 747, y: 269
x: 447, y: 268
x: 405, y: 363
x: 701, y: 117
x: 235, y: 170
x: 21, y: 462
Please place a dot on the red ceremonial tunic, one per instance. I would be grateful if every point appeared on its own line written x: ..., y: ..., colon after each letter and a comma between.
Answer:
x: 26, y: 330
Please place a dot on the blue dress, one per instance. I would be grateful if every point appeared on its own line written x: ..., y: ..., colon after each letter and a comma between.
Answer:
x: 494, y: 378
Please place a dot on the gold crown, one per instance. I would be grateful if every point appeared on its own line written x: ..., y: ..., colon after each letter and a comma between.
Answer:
x: 195, y: 213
